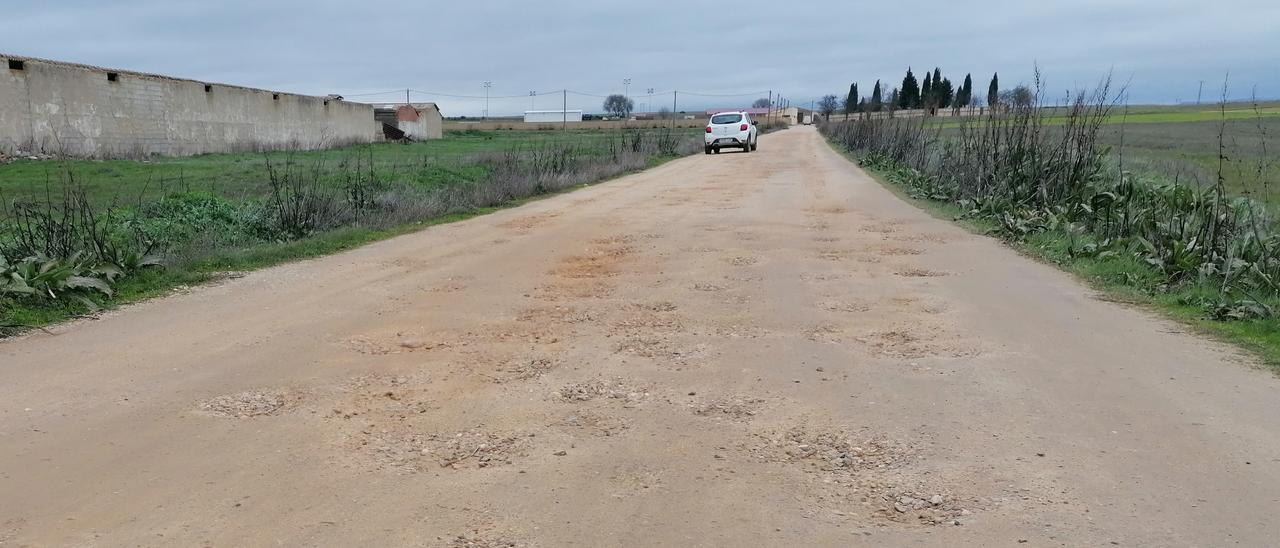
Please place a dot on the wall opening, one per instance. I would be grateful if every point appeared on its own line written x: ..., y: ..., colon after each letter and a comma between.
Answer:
x: 16, y: 64
x: 275, y: 96
x: 208, y: 88
x: 113, y: 77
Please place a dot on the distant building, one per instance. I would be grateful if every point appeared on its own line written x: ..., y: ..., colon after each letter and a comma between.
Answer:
x: 793, y: 115
x: 548, y: 116
x: 414, y: 121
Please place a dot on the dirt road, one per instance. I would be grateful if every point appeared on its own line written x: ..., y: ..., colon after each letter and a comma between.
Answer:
x: 732, y: 350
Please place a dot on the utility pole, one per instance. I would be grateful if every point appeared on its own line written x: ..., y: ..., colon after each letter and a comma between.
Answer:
x: 564, y: 109
x: 674, y: 96
x: 406, y: 96
x: 1199, y: 93
x: 487, y: 84
x: 532, y: 94
x: 769, y: 114
x: 648, y: 104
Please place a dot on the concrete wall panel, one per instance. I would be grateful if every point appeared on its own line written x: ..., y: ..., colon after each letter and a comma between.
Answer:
x: 59, y: 108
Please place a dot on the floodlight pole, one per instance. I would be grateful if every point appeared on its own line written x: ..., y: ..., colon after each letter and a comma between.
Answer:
x: 564, y: 110
x: 626, y: 94
x: 487, y: 84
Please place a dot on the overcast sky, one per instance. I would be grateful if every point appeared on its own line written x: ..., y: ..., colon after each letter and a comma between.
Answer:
x: 803, y: 50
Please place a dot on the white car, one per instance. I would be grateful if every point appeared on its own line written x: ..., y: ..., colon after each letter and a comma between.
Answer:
x: 732, y: 130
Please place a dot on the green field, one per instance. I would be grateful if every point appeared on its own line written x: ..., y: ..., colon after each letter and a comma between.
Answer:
x: 1156, y: 114
x: 1181, y: 143
x: 244, y: 176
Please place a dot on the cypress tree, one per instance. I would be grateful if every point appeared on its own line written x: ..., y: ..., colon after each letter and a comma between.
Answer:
x: 993, y: 91
x: 875, y: 98
x: 851, y: 102
x: 926, y: 91
x: 946, y: 93
x: 910, y: 94
x: 966, y: 92
x: 937, y: 87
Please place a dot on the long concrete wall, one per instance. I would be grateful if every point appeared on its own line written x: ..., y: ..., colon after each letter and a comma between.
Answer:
x: 590, y: 124
x: 77, y: 110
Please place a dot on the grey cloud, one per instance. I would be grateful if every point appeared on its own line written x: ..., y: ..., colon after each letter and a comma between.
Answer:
x: 802, y: 49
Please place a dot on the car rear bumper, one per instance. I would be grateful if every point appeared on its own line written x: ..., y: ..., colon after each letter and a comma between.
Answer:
x: 727, y: 140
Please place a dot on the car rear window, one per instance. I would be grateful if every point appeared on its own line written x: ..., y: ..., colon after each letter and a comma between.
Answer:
x: 726, y: 118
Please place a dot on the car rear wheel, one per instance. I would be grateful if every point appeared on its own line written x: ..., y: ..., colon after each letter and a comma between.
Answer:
x: 755, y: 144
x: 746, y: 147
x: 706, y: 150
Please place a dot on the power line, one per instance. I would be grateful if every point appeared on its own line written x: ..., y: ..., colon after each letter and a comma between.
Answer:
x: 373, y: 93
x: 459, y: 96
x: 725, y: 94
x: 552, y: 92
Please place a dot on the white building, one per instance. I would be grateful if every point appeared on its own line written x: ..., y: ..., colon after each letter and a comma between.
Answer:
x: 548, y: 116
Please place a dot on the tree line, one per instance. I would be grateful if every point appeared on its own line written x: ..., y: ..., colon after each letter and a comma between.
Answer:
x: 935, y: 92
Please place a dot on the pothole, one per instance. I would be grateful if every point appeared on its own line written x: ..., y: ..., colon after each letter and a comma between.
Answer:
x: 247, y: 404
x: 609, y: 389
x: 459, y: 450
x: 831, y: 449
x: 734, y: 407
x: 519, y: 369
x: 594, y: 423
x: 920, y: 273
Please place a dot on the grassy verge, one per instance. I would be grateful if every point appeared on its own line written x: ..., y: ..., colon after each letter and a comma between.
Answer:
x: 513, y: 178
x: 1121, y: 278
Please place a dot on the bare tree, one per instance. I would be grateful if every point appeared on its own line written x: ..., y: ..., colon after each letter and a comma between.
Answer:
x: 619, y: 105
x: 828, y: 105
x: 1020, y: 96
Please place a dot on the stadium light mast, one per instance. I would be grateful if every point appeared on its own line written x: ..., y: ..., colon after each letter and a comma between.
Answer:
x: 487, y: 84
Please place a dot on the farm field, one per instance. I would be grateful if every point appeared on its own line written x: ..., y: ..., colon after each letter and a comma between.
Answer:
x: 245, y: 175
x: 1188, y: 151
x: 1181, y: 143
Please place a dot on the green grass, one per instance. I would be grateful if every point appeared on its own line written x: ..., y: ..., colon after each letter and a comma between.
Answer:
x: 244, y: 176
x: 1121, y: 278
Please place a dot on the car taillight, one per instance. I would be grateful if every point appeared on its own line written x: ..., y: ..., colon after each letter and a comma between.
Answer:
x: 742, y: 127
x: 708, y: 129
